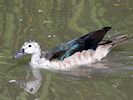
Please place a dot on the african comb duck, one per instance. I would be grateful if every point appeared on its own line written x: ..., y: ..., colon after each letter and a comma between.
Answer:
x: 87, y: 49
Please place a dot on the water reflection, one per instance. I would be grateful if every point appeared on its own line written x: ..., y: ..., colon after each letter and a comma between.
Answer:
x: 31, y: 86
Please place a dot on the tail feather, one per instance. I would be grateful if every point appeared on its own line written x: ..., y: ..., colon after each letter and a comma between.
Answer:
x: 104, y: 48
x: 118, y: 40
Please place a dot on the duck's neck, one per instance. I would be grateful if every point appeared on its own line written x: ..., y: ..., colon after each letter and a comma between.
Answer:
x: 36, y: 57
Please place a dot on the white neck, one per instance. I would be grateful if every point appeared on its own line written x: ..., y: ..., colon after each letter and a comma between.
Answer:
x: 36, y: 56
x: 38, y: 62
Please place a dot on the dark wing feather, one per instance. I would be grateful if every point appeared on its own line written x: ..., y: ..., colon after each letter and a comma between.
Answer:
x: 105, y: 42
x: 88, y: 41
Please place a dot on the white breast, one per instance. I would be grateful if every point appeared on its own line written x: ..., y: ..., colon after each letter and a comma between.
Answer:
x: 77, y: 59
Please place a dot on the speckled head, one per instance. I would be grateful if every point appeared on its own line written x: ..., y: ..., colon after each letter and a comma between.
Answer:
x: 28, y: 48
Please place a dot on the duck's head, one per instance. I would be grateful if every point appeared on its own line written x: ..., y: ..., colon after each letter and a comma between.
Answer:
x: 28, y: 48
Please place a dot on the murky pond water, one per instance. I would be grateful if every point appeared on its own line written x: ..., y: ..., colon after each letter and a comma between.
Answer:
x: 51, y: 22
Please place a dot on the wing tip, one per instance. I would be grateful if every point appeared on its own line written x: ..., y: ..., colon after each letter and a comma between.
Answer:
x: 106, y: 28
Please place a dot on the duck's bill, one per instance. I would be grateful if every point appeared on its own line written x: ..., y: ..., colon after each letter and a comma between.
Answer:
x: 19, y: 54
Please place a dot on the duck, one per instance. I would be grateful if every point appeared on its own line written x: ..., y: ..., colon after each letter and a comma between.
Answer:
x: 85, y: 50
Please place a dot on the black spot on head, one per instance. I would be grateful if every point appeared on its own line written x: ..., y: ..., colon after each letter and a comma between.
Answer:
x: 29, y: 45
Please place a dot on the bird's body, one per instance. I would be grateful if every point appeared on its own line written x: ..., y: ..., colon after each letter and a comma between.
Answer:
x: 86, y: 42
x: 87, y: 49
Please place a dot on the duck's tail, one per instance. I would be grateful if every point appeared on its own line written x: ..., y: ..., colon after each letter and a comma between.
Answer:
x: 118, y: 40
x: 104, y: 48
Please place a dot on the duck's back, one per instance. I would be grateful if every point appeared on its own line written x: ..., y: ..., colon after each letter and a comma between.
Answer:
x: 88, y: 41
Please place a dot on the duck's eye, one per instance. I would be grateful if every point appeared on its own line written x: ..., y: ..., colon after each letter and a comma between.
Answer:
x: 29, y: 45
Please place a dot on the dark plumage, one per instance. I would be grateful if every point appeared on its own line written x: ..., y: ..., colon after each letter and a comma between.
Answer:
x: 88, y: 41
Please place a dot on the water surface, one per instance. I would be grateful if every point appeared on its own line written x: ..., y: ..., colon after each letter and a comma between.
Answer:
x: 51, y: 22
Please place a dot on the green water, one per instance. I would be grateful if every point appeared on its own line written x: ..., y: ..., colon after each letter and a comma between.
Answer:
x: 51, y: 22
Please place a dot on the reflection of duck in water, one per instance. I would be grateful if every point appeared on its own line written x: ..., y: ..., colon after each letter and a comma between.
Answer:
x: 87, y: 49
